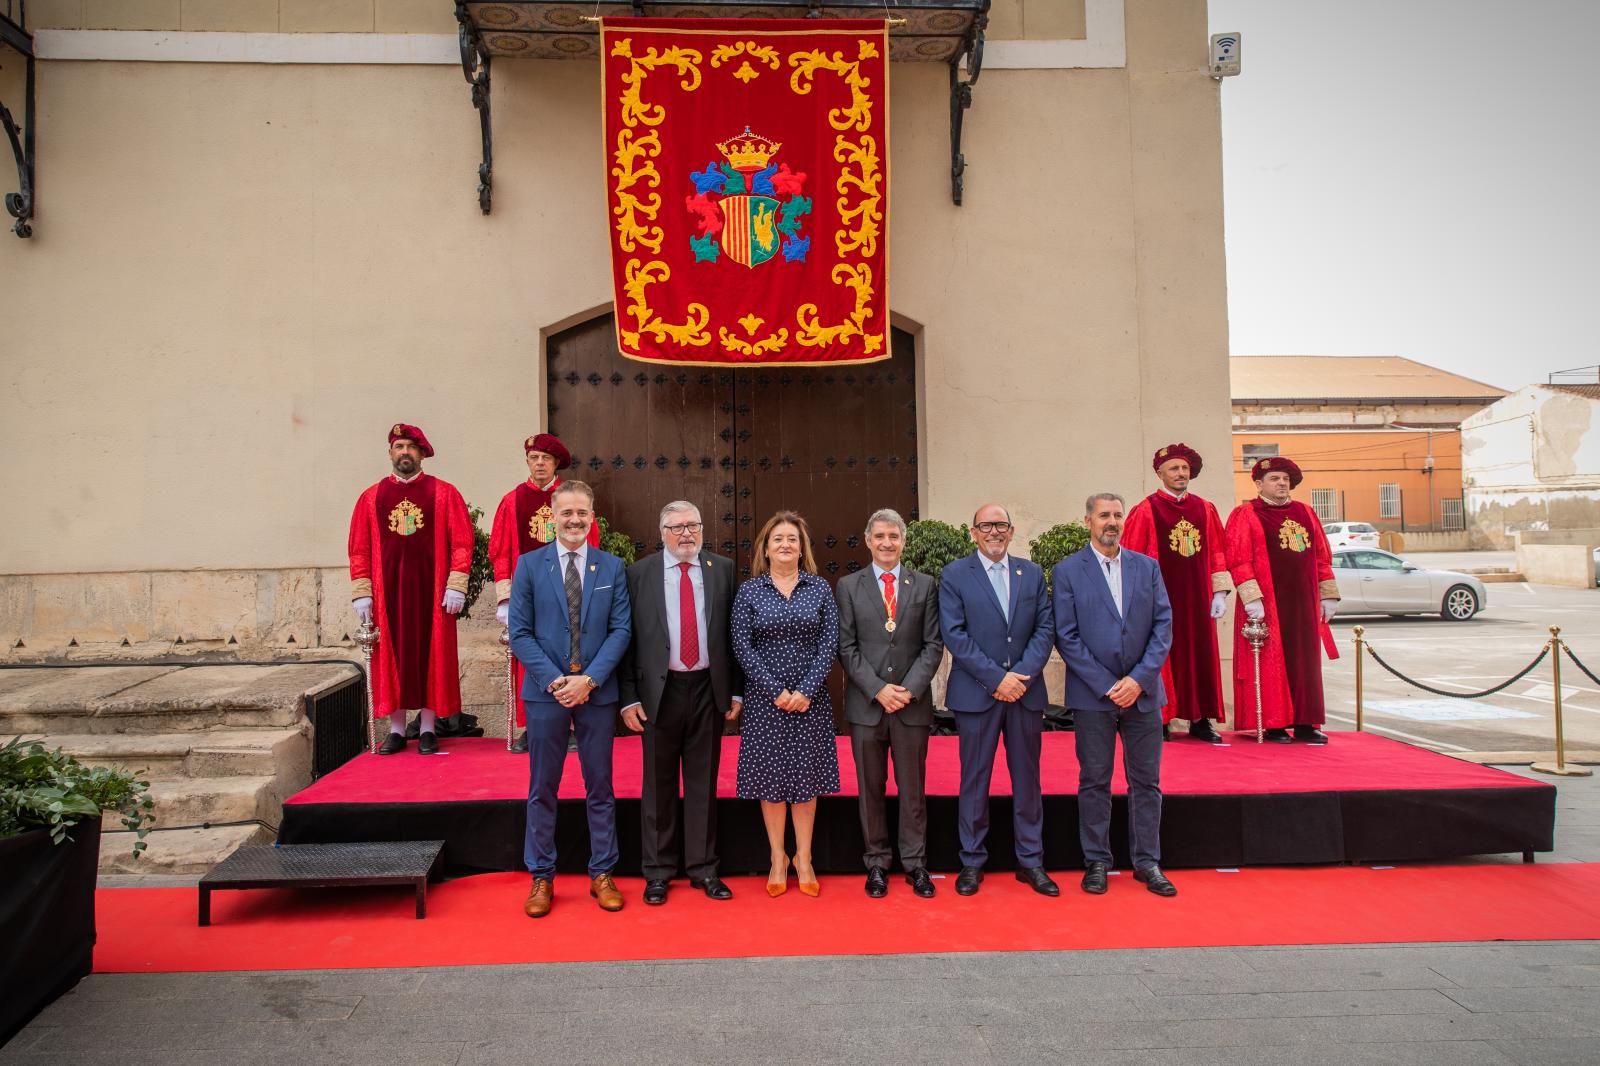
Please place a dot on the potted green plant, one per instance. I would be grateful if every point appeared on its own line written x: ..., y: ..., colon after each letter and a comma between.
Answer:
x: 931, y: 545
x: 1055, y: 544
x: 51, y: 807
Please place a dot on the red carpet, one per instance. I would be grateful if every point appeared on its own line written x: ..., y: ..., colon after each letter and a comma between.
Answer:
x: 482, y: 769
x: 478, y: 920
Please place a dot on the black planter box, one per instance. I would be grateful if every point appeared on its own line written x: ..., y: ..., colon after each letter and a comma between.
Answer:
x: 46, y: 919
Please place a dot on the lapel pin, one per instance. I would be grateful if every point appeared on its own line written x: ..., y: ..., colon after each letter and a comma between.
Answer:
x: 1019, y: 571
x: 592, y: 568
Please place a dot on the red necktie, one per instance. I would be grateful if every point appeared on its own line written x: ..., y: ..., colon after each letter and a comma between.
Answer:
x: 888, y: 594
x: 688, y: 627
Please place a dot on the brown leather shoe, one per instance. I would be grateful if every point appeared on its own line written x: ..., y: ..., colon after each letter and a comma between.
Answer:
x: 540, y: 895
x: 604, y: 889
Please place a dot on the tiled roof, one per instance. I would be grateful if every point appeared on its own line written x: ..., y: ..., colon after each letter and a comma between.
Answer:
x: 1309, y: 378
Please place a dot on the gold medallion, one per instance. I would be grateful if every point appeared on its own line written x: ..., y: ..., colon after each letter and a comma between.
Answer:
x: 405, y: 519
x: 1184, y: 539
x: 1293, y: 536
x: 888, y: 627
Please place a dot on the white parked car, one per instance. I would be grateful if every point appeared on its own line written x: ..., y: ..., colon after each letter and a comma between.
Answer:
x: 1377, y: 582
x: 1351, y: 535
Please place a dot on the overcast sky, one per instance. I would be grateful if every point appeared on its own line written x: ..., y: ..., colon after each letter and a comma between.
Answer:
x: 1416, y: 178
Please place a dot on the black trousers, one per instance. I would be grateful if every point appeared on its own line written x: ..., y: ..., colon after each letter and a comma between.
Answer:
x: 684, y: 732
x: 873, y: 747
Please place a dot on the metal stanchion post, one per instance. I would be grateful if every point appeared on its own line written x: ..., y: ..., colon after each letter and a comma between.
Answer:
x: 511, y: 690
x: 1255, y: 631
x: 1360, y: 650
x: 1559, y: 767
x: 367, y: 637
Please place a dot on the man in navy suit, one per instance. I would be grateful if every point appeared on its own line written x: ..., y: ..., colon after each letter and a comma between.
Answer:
x: 995, y: 618
x: 1113, y: 630
x: 570, y: 623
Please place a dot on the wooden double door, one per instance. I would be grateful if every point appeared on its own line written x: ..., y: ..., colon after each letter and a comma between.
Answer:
x: 833, y: 443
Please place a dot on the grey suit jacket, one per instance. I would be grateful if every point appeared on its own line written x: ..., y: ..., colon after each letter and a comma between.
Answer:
x: 873, y: 657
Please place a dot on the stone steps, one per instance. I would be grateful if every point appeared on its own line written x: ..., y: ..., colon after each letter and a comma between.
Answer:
x: 184, y: 851
x: 208, y: 753
x: 218, y: 743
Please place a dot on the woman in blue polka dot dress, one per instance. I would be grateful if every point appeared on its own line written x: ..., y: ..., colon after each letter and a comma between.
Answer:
x: 786, y: 636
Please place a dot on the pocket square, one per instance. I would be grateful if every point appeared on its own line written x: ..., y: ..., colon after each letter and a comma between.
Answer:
x: 601, y: 588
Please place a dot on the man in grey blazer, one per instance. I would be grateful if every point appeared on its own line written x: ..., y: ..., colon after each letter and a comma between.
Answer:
x: 890, y: 648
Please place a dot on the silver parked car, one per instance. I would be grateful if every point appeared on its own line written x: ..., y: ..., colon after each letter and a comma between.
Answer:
x: 1351, y: 534
x: 1375, y: 582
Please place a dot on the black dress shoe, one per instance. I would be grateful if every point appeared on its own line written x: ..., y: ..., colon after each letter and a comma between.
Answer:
x: 1035, y: 878
x: 520, y: 745
x: 1094, y: 879
x: 393, y: 744
x: 877, y: 882
x: 968, y: 880
x: 712, y: 886
x: 1310, y: 734
x: 1155, y: 880
x: 917, y: 877
x: 427, y: 744
x: 1277, y: 736
x: 1204, y: 730
x: 655, y: 892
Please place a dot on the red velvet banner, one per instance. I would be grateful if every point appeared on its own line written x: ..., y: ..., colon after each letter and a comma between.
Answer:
x: 747, y: 175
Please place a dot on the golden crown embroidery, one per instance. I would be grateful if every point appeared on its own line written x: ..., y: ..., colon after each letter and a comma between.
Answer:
x: 405, y: 519
x: 1184, y: 539
x: 542, y: 526
x: 1293, y: 536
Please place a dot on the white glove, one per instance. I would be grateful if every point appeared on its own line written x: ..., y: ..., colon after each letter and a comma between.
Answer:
x: 1219, y: 604
x: 1328, y: 609
x: 453, y: 601
x: 363, y: 609
x: 502, y: 613
x: 1255, y: 610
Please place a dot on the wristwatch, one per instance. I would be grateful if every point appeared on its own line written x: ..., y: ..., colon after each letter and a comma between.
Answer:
x: 590, y: 682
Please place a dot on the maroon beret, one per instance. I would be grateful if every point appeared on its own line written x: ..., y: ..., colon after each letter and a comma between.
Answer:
x: 1266, y: 466
x: 550, y: 444
x: 401, y: 431
x: 1179, y: 450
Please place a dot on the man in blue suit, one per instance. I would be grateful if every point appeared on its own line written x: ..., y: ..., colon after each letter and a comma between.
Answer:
x: 1113, y: 630
x: 995, y: 617
x: 570, y: 623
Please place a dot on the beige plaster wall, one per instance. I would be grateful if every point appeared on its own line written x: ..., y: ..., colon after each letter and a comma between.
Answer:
x: 242, y: 275
x: 1571, y: 565
x: 1008, y: 19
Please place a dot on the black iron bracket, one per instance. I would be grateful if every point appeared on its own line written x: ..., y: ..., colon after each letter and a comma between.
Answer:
x: 475, y: 67
x: 19, y: 205
x: 961, y: 98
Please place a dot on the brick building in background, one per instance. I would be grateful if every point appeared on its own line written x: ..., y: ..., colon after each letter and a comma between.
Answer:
x: 1378, y: 437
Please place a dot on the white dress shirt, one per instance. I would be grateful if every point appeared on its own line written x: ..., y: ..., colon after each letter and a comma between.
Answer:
x: 877, y: 576
x: 1177, y: 496
x: 1111, y: 570
x: 582, y: 560
x: 1005, y: 577
x: 671, y: 579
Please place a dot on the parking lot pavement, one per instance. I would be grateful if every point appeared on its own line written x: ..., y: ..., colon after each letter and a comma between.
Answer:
x: 1476, y: 655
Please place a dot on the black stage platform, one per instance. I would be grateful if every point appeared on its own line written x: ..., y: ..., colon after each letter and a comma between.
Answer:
x: 1359, y: 799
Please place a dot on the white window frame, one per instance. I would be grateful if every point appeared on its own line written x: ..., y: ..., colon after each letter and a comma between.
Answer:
x: 1389, y: 500
x: 1325, y: 503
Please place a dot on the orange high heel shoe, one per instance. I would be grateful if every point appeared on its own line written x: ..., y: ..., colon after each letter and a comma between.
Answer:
x: 779, y: 889
x: 810, y: 888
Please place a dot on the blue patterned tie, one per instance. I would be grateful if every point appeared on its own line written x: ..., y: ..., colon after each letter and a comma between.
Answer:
x: 997, y: 578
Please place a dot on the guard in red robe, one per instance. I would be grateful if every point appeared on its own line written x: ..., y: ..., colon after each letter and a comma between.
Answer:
x: 523, y: 522
x: 1183, y: 533
x: 1283, y: 571
x: 410, y: 554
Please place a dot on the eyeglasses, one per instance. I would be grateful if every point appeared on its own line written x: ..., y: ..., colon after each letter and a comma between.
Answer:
x: 993, y: 527
x: 684, y: 527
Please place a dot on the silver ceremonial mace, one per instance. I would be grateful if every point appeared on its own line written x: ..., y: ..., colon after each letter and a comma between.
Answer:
x: 1255, y: 631
x: 511, y: 689
x: 367, y: 637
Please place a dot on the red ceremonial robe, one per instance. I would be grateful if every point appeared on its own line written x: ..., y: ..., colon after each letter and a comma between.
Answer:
x: 409, y: 541
x: 523, y: 521
x: 1185, y: 537
x: 1279, y: 555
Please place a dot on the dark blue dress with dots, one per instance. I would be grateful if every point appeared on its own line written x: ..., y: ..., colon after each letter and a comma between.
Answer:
x: 790, y: 643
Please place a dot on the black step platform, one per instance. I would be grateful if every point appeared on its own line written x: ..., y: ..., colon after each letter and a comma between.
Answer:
x: 399, y: 862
